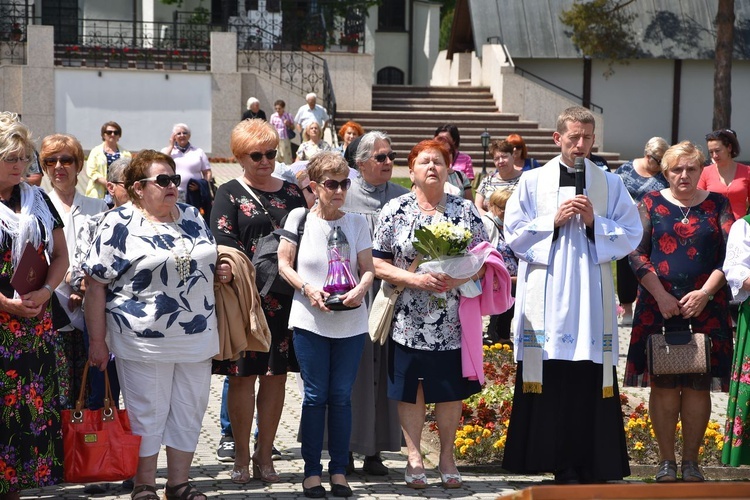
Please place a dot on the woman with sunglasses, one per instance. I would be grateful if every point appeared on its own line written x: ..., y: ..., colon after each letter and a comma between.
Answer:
x: 313, y: 142
x: 246, y: 209
x: 640, y: 176
x: 192, y: 165
x: 150, y: 276
x: 101, y: 157
x: 724, y: 175
x: 31, y: 449
x: 62, y: 159
x: 328, y: 345
x: 424, y: 364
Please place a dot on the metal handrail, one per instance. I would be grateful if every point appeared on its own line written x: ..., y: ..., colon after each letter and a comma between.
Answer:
x: 522, y: 72
x: 298, y: 70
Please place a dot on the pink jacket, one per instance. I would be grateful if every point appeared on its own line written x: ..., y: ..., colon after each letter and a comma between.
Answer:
x: 494, y: 299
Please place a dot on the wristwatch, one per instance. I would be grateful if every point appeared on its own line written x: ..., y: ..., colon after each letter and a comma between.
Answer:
x: 710, y: 297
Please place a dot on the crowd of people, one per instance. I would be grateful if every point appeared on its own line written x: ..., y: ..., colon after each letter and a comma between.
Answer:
x: 135, y: 268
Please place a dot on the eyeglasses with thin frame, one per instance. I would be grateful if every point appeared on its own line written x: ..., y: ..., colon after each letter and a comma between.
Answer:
x: 181, y: 133
x: 382, y: 156
x: 333, y: 185
x: 256, y: 156
x: 16, y: 159
x: 65, y: 161
x: 657, y: 160
x: 163, y: 180
x: 112, y: 132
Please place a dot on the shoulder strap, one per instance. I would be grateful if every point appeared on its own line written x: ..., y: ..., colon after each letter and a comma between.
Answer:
x: 300, y: 232
x: 274, y: 224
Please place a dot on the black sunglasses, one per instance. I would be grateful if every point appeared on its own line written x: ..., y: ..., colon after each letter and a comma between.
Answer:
x: 381, y: 157
x: 65, y: 161
x: 657, y: 160
x: 333, y: 185
x: 163, y: 180
x: 111, y: 132
x: 257, y: 156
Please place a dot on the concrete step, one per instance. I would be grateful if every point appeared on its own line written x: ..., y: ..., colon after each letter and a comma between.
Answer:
x: 435, y: 107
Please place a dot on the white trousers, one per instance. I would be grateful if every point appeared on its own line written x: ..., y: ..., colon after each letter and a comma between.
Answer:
x: 165, y: 402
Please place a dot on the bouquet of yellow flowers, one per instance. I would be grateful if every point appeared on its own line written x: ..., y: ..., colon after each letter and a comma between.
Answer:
x: 444, y: 246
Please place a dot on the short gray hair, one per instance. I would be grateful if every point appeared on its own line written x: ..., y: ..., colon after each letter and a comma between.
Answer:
x: 116, y: 171
x: 367, y: 144
x: 252, y: 101
x: 179, y: 126
x: 311, y: 95
x: 656, y: 146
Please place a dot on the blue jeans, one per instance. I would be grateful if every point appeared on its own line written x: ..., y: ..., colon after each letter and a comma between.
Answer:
x: 226, y: 426
x: 328, y: 368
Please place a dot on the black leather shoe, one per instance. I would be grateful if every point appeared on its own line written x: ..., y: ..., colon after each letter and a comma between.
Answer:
x: 341, y: 490
x: 314, y: 492
x: 349, y: 470
x: 373, y: 465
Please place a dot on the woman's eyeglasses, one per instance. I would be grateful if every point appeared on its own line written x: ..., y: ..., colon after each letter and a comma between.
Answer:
x: 257, y: 155
x: 163, y: 180
x: 381, y: 157
x: 112, y: 132
x: 333, y: 185
x: 16, y: 159
x: 65, y: 161
x: 657, y: 160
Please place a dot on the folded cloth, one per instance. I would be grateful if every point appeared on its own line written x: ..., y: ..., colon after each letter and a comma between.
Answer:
x: 495, y: 298
x: 241, y: 322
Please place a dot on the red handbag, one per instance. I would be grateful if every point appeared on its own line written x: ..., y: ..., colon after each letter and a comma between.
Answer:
x: 98, y: 444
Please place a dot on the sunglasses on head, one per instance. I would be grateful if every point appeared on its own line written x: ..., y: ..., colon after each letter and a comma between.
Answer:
x: 163, y: 180
x: 333, y: 185
x: 112, y: 132
x: 65, y: 161
x: 381, y: 157
x: 257, y: 155
x: 717, y: 134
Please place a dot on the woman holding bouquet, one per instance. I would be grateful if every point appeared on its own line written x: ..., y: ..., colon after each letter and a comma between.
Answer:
x: 425, y: 355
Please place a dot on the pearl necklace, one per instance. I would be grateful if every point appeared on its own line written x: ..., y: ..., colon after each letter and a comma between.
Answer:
x: 427, y: 208
x: 182, y: 262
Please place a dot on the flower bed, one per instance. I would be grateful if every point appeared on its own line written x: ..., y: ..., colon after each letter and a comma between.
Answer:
x: 480, y: 438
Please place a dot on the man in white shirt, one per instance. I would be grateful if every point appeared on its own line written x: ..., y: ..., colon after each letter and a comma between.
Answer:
x: 311, y: 111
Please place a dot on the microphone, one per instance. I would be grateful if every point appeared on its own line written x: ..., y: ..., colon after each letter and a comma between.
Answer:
x: 579, y: 166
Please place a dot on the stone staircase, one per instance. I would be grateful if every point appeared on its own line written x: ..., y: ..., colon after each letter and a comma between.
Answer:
x: 411, y: 114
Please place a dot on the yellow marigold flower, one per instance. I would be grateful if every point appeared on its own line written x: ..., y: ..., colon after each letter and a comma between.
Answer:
x: 485, y: 348
x: 468, y: 428
x: 468, y: 442
x: 653, y: 434
x: 498, y: 444
x: 463, y: 450
x: 506, y: 422
x: 631, y: 424
x: 679, y: 425
x: 458, y: 442
x: 486, y: 433
x: 720, y: 445
x: 507, y: 348
x: 638, y: 445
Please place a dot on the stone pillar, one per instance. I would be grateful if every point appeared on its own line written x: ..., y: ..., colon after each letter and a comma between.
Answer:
x: 38, y: 81
x: 226, y: 93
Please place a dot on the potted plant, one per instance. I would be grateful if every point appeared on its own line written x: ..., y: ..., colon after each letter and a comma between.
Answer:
x: 351, y: 41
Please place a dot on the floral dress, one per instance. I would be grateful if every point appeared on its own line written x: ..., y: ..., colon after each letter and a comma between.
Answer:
x: 237, y: 221
x: 423, y: 320
x: 682, y: 256
x: 31, y: 370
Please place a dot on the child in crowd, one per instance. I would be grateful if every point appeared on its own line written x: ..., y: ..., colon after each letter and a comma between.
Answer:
x: 499, y: 327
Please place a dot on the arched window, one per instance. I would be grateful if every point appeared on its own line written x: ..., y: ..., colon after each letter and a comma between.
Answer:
x: 390, y: 76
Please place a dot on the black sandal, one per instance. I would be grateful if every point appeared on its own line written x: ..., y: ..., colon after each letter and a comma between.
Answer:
x: 145, y: 487
x: 667, y: 472
x: 691, y: 473
x: 189, y: 492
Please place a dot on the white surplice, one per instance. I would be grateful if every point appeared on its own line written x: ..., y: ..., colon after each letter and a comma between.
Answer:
x: 737, y: 261
x: 573, y: 305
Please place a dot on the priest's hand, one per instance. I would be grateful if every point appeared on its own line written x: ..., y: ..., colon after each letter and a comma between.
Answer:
x: 584, y: 208
x: 565, y: 212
